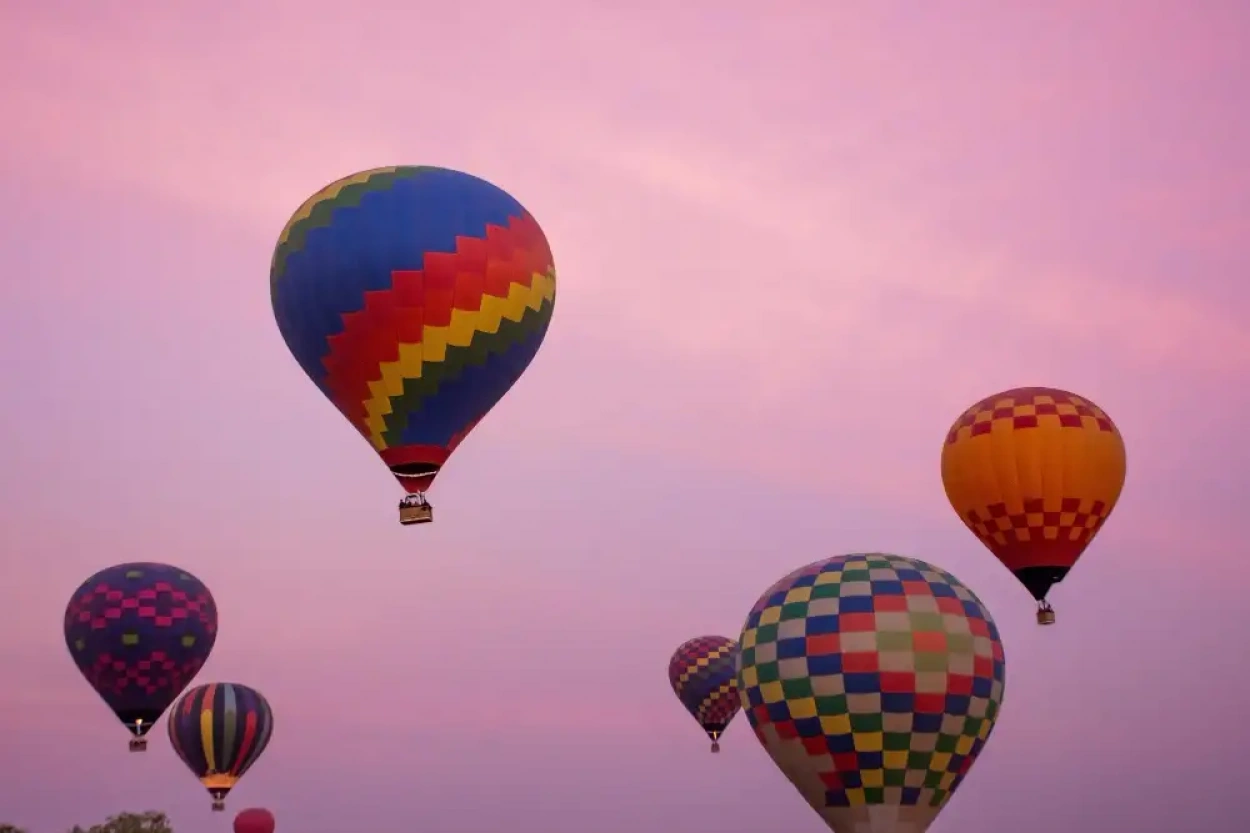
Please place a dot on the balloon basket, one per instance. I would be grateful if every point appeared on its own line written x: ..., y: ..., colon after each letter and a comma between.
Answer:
x: 218, y: 805
x: 1046, y: 615
x: 715, y: 746
x: 138, y: 744
x: 415, y: 513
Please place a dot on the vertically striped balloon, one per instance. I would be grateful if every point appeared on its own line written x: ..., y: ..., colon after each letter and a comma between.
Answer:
x: 873, y: 681
x: 413, y: 297
x: 219, y: 730
x: 702, y: 672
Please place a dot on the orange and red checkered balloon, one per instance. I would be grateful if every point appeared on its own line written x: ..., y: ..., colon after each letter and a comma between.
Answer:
x: 1034, y: 473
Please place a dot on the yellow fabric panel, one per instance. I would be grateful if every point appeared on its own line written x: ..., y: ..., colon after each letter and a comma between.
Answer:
x: 464, y: 326
x: 328, y: 193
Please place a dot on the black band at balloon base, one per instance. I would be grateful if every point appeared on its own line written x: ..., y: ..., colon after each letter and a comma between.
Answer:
x: 1038, y: 580
x: 714, y: 731
x: 138, y: 721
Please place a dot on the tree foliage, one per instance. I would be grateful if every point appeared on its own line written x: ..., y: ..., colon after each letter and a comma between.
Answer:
x: 149, y: 822
x: 11, y: 828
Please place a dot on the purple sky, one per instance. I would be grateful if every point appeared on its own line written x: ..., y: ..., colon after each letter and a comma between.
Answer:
x: 792, y: 247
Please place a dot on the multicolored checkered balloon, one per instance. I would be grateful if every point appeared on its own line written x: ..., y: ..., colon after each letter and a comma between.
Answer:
x: 874, y: 682
x: 702, y: 672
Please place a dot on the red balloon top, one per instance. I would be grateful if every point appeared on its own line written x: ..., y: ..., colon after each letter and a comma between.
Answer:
x: 254, y: 820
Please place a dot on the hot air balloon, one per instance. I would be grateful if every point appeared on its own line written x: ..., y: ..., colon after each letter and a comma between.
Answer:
x: 414, y: 298
x: 140, y: 633
x: 219, y: 730
x: 1034, y: 473
x: 702, y: 672
x: 873, y: 681
x: 254, y: 820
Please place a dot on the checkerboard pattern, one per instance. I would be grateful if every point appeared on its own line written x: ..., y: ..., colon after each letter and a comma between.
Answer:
x: 1029, y: 408
x: 1034, y: 473
x: 703, y: 674
x: 874, y: 682
x: 1076, y: 522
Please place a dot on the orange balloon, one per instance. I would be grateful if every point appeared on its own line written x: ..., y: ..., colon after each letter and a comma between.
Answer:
x: 1034, y: 473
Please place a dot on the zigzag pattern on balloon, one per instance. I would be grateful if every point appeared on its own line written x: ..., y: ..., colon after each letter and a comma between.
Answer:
x: 466, y: 299
x: 318, y: 210
x: 418, y: 377
x: 413, y: 298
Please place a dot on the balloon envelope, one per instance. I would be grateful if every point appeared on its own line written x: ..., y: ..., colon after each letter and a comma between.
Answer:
x: 873, y: 681
x: 413, y: 297
x: 1034, y: 473
x: 703, y: 674
x: 254, y: 820
x: 219, y: 730
x: 140, y: 632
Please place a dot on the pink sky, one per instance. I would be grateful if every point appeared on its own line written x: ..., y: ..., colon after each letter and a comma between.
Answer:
x: 792, y: 247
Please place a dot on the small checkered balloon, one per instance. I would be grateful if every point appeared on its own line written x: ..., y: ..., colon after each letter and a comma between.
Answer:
x: 702, y: 672
x: 873, y: 681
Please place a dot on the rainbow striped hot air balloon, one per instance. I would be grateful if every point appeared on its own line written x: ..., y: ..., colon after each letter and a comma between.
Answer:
x: 219, y: 730
x: 414, y: 298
